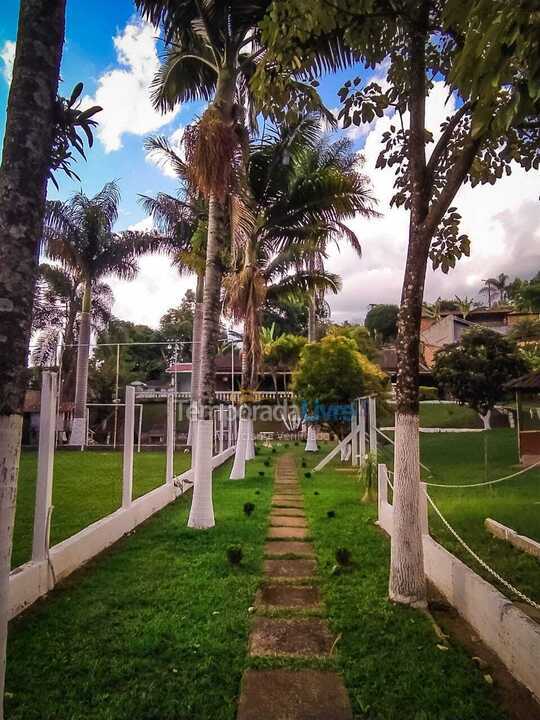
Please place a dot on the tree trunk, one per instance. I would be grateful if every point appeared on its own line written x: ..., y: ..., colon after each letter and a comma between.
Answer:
x: 486, y: 419
x: 195, y: 360
x: 202, y: 511
x: 407, y: 578
x: 311, y: 440
x: 312, y: 319
x: 238, y: 471
x: 23, y: 188
x: 78, y: 428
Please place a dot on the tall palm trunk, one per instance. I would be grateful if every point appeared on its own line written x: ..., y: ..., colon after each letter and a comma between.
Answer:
x: 312, y: 319
x: 238, y: 470
x: 407, y: 578
x: 202, y: 510
x: 196, y: 360
x: 81, y: 384
x: 23, y: 188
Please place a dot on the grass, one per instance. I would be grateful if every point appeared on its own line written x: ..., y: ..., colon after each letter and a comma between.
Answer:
x: 446, y: 415
x: 87, y: 486
x: 156, y: 628
x: 460, y: 459
x: 388, y: 655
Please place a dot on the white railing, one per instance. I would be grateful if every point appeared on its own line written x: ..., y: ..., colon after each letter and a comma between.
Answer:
x: 221, y: 395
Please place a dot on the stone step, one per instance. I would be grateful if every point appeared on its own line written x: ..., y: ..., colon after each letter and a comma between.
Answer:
x: 277, y: 520
x: 288, y: 597
x: 275, y: 548
x: 289, y: 512
x: 293, y: 695
x: 287, y: 490
x: 305, y: 638
x: 292, y: 569
x: 287, y: 533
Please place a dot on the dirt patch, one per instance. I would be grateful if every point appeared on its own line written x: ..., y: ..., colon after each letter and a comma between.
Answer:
x: 290, y: 695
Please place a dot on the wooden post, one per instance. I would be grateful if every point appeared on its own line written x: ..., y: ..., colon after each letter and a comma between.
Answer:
x: 47, y: 431
x: 382, y: 494
x: 373, y: 427
x: 362, y: 434
x: 169, y: 472
x: 129, y: 428
x: 221, y: 423
x: 354, y: 439
x: 423, y: 509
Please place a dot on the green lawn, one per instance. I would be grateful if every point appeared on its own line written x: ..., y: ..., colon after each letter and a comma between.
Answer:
x: 392, y: 666
x: 155, y: 629
x: 87, y: 486
x: 441, y: 415
x: 460, y: 459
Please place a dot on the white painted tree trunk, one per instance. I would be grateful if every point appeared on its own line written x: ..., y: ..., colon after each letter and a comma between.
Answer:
x: 238, y: 471
x: 486, y: 419
x: 201, y: 515
x: 195, y: 362
x: 407, y: 577
x: 78, y: 428
x: 250, y: 440
x: 10, y: 447
x: 311, y: 442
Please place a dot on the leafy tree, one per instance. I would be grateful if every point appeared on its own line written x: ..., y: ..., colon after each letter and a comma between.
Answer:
x: 526, y: 329
x: 381, y: 321
x: 333, y: 373
x: 359, y: 334
x: 525, y: 295
x: 465, y: 305
x: 420, y: 42
x: 282, y: 354
x: 79, y: 234
x: 289, y: 315
x: 177, y: 322
x: 475, y: 370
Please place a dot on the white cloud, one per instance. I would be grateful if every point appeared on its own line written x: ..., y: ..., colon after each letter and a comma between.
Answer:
x: 124, y: 92
x: 175, y: 141
x: 502, y: 221
x: 7, y: 56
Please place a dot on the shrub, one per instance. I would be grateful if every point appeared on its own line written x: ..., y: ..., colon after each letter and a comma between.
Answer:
x: 331, y: 514
x: 257, y: 492
x: 286, y: 445
x: 296, y: 444
x: 307, y: 475
x: 343, y: 556
x: 273, y: 449
x: 261, y: 473
x: 368, y: 478
x: 304, y: 463
x: 235, y: 554
x: 266, y: 463
x: 249, y: 507
x: 316, y: 492
x: 427, y: 393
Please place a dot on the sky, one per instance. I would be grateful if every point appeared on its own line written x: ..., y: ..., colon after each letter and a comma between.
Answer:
x: 116, y: 55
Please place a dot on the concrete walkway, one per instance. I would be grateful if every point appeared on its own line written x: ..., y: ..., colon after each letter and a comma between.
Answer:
x: 290, y: 620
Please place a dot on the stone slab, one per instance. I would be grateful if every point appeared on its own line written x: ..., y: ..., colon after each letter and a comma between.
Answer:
x: 301, y: 568
x: 289, y: 547
x: 278, y: 520
x: 288, y: 512
x: 288, y: 597
x: 293, y: 695
x: 288, y: 500
x: 287, y: 490
x: 287, y: 533
x: 307, y: 638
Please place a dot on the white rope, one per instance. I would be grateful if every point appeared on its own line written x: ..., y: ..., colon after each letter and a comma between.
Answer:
x: 481, y: 562
x: 488, y: 482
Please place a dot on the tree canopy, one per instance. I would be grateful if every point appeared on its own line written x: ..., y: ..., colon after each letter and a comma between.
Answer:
x: 381, y: 321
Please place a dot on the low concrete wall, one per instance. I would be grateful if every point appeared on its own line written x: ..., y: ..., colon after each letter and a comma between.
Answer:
x: 504, y: 628
x: 32, y: 580
x: 522, y: 542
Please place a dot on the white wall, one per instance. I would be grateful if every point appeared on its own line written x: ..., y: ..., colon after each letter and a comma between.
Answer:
x: 511, y: 634
x: 32, y: 580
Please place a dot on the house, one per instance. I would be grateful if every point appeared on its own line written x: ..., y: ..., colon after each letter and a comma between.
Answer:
x: 387, y: 361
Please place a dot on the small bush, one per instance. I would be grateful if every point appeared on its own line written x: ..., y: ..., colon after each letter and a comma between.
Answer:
x: 235, y: 554
x: 273, y: 450
x: 343, y: 556
x: 368, y: 478
x: 266, y: 463
x: 331, y: 514
x: 316, y: 492
x: 304, y: 463
x: 296, y: 444
x: 249, y: 507
x: 257, y: 492
x: 261, y: 473
x: 307, y: 475
x: 286, y: 445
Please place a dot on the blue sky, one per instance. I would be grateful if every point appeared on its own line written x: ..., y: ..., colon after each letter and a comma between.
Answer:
x: 116, y: 56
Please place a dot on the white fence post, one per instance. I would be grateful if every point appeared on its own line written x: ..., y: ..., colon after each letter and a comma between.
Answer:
x: 221, y: 423
x: 129, y: 429
x: 362, y: 434
x: 169, y: 472
x: 382, y: 494
x: 423, y: 509
x: 354, y: 439
x: 373, y: 427
x: 47, y: 430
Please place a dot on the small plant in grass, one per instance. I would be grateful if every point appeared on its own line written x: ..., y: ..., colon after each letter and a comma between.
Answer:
x: 368, y: 478
x: 304, y: 463
x: 307, y: 475
x: 296, y: 444
x: 316, y: 492
x: 261, y: 473
x: 286, y: 445
x: 266, y: 463
x: 273, y: 449
x: 235, y: 554
x: 257, y: 492
x: 331, y: 514
x: 249, y: 507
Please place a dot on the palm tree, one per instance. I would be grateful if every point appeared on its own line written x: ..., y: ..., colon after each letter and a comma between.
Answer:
x: 79, y: 235
x: 464, y: 305
x: 496, y: 286
x: 212, y: 53
x: 294, y: 210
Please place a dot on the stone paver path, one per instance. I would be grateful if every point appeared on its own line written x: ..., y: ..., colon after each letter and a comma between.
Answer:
x: 290, y: 590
